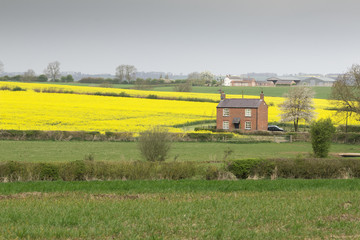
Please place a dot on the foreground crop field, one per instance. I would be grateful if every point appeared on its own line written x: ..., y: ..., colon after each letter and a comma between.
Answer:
x: 29, y: 110
x: 263, y: 209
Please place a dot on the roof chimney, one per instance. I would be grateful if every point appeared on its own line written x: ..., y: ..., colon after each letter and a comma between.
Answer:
x: 262, y: 95
x: 222, y: 96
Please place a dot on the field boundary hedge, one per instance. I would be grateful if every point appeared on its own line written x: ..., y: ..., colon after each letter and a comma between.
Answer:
x: 210, y: 136
x: 86, y: 170
x: 309, y: 168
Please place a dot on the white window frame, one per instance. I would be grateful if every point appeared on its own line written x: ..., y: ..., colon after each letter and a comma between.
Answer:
x: 226, y: 125
x: 226, y: 112
x: 248, y: 125
x: 247, y: 112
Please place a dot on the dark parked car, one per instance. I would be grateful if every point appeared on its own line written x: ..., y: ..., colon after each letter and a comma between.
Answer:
x: 275, y: 128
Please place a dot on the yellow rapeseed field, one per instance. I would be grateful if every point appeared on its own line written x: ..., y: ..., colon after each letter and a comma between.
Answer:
x: 30, y: 110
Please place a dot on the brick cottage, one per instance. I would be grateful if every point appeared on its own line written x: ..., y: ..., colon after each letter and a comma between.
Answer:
x: 242, y: 114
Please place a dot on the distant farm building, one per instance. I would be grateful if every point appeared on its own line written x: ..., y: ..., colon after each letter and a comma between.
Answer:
x: 242, y: 114
x: 284, y: 81
x: 318, y: 81
x: 236, y: 81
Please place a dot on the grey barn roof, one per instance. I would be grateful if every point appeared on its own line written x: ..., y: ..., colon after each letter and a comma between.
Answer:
x: 239, y: 103
x: 325, y: 79
x: 284, y: 78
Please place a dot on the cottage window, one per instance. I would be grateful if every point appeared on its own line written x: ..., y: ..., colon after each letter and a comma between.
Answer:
x: 247, y: 125
x: 226, y: 112
x: 225, y: 124
x: 247, y: 112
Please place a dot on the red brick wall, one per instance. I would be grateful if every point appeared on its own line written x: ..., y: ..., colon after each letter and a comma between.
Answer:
x: 240, y: 113
x: 263, y: 117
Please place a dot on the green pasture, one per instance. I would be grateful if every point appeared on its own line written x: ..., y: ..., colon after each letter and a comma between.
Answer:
x: 58, y: 151
x: 246, y: 209
x: 320, y: 92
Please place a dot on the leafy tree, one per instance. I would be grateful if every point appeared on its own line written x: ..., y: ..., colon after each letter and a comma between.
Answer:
x: 346, y: 90
x: 298, y: 105
x: 154, y: 144
x: 68, y: 78
x: 207, y: 77
x: 321, y: 135
x: 42, y: 78
x: 53, y: 71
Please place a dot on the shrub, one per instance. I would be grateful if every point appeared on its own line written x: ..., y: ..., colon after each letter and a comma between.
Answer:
x: 183, y: 87
x: 17, y: 88
x: 124, y: 94
x: 73, y: 171
x: 203, y: 137
x: 49, y: 172
x: 321, y: 135
x: 152, y: 96
x: 243, y: 168
x: 154, y: 144
x: 350, y: 128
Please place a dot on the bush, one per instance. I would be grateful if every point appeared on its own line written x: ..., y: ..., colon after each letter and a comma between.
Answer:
x: 350, y: 128
x: 154, y: 144
x: 183, y: 87
x: 73, y: 171
x: 350, y: 137
x: 251, y: 168
x: 152, y: 96
x: 202, y: 137
x: 321, y: 135
x: 49, y: 172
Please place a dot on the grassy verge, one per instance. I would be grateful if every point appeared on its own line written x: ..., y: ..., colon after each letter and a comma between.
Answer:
x: 56, y: 151
x: 282, y: 209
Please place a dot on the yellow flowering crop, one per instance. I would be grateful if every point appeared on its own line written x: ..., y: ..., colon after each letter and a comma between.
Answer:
x: 29, y: 110
x: 26, y: 110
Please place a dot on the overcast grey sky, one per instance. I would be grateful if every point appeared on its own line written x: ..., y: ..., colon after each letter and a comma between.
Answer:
x: 181, y: 36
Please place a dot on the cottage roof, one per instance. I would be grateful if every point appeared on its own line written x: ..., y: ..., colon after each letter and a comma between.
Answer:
x: 239, y: 103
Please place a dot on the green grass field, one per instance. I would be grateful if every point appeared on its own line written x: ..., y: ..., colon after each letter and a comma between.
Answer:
x: 320, y: 92
x: 263, y: 209
x: 50, y: 151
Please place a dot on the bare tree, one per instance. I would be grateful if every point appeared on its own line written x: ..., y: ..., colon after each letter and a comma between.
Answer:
x: 194, y: 78
x: 346, y: 90
x: 29, y: 76
x: 120, y: 73
x: 130, y: 73
x: 126, y: 72
x: 53, y: 71
x: 298, y: 105
x: 1, y: 67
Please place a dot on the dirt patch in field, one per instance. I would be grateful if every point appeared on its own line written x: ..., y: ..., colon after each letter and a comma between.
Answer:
x: 113, y: 196
x: 343, y: 217
x: 68, y: 194
x: 21, y: 195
